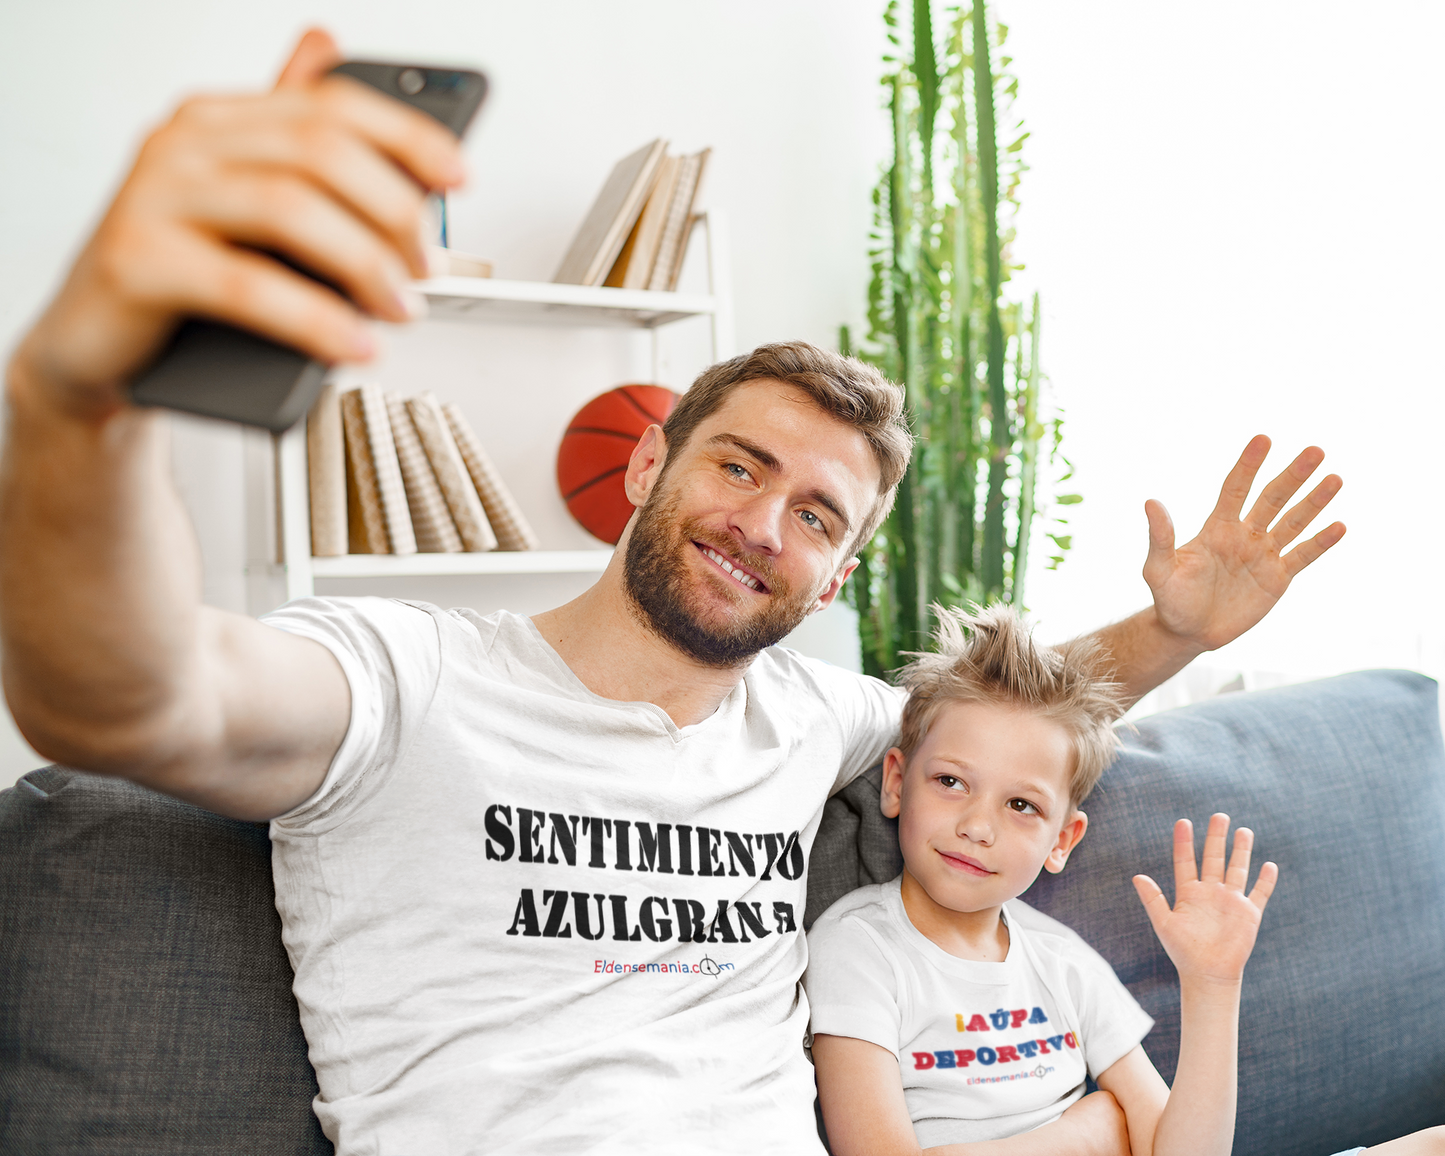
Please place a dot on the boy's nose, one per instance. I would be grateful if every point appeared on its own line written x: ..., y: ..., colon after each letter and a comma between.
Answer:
x: 974, y: 825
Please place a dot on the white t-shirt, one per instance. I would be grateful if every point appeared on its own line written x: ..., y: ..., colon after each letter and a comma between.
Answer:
x: 985, y: 1050
x: 524, y: 918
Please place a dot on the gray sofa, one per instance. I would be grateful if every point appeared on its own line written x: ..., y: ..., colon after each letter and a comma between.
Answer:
x: 145, y: 1002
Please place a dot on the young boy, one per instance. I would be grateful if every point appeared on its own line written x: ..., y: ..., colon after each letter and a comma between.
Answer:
x: 937, y: 1017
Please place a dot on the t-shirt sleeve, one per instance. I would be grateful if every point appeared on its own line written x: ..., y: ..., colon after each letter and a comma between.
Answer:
x: 1110, y: 1019
x: 868, y: 711
x: 390, y: 653
x: 851, y: 984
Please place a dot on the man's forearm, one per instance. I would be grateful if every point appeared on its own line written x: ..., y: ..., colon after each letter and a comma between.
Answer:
x: 99, y: 577
x: 1144, y: 653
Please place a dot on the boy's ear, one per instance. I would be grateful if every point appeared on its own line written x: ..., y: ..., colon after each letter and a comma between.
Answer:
x: 1069, y: 835
x: 890, y: 801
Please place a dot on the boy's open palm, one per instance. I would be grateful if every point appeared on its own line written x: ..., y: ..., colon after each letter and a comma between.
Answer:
x: 1211, y: 928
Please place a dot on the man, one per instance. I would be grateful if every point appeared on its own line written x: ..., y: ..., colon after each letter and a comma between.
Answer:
x: 540, y: 879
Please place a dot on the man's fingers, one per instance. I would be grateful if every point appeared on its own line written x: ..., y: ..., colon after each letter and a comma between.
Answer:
x: 314, y: 56
x: 422, y: 145
x: 254, y: 292
x: 1264, y: 885
x: 1302, y: 513
x: 1238, y: 481
x: 1184, y: 868
x: 284, y: 214
x: 1211, y: 863
x: 1238, y: 873
x: 1306, y: 552
x: 1160, y: 559
x: 1281, y: 489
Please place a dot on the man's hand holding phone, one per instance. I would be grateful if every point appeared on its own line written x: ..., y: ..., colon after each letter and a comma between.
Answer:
x: 323, y: 170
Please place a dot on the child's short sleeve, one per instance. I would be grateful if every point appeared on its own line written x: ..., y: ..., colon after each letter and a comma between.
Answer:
x: 851, y: 983
x: 1110, y: 1019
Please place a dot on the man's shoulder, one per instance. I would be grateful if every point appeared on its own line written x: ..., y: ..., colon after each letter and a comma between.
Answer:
x: 784, y: 667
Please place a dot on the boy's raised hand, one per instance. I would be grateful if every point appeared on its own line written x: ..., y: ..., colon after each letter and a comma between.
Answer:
x: 1211, y: 928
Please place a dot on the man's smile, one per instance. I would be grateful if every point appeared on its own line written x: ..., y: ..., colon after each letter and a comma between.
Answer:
x: 734, y: 570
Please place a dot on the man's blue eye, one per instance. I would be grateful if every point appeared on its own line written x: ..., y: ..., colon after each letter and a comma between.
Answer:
x: 811, y: 518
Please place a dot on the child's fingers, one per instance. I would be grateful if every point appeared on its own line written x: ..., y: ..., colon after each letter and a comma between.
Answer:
x: 1211, y: 863
x: 1238, y: 874
x: 1264, y: 885
x: 1155, y: 905
x: 1184, y: 870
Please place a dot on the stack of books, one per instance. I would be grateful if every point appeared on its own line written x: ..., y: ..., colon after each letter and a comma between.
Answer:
x: 404, y: 475
x: 636, y: 234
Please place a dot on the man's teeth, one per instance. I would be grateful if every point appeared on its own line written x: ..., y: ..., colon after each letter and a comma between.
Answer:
x: 741, y: 575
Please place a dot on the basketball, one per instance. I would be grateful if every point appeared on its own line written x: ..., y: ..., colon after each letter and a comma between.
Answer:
x: 595, y: 449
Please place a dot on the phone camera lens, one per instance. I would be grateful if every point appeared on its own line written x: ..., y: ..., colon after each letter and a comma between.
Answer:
x: 411, y: 81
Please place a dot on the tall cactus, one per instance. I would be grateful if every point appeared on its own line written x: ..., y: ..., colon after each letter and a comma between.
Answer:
x: 939, y: 323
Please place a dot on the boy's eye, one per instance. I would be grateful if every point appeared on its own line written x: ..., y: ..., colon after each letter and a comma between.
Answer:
x: 1022, y: 807
x: 949, y: 782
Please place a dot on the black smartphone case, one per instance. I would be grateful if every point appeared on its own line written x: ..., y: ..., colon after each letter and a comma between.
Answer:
x: 220, y: 371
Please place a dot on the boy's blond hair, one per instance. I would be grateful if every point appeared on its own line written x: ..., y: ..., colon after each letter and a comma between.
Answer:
x: 990, y: 656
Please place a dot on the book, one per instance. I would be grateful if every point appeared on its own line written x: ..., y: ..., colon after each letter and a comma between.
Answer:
x: 613, y: 213
x: 510, y: 525
x: 365, y: 522
x: 436, y: 533
x: 633, y: 267
x: 394, y: 508
x: 326, y: 474
x: 672, y: 247
x: 451, y: 473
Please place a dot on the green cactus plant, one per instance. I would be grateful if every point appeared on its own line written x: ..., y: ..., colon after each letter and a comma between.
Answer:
x: 939, y: 323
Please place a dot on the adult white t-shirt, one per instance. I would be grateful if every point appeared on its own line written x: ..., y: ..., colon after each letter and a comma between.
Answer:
x: 985, y: 1050
x: 524, y: 918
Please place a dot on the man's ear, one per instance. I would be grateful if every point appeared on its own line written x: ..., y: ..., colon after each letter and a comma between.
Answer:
x: 1069, y: 835
x: 890, y: 800
x: 825, y: 599
x: 645, y: 465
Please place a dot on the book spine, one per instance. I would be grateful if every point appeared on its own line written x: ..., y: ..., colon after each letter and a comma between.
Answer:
x: 326, y: 469
x: 651, y: 224
x: 436, y: 533
x: 451, y: 474
x: 388, y: 471
x: 366, y: 524
x: 513, y: 530
x: 674, y: 271
x: 672, y: 247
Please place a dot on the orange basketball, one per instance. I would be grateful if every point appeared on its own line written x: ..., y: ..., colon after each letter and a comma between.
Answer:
x: 593, y: 455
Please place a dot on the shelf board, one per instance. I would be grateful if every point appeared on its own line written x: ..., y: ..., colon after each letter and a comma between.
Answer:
x: 495, y: 562
x: 542, y: 302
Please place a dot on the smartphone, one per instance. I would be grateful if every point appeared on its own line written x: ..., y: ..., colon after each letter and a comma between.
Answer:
x: 217, y: 370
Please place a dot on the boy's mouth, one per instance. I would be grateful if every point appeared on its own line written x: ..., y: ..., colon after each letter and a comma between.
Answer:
x: 966, y: 864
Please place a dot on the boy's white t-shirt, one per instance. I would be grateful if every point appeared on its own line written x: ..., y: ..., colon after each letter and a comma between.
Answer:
x: 524, y: 918
x: 985, y: 1050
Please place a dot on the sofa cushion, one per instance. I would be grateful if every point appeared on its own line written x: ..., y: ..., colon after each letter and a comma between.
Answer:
x: 1342, y: 1029
x: 147, y: 1003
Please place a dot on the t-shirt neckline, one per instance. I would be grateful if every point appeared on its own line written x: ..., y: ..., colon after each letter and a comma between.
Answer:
x: 972, y: 970
x: 567, y: 678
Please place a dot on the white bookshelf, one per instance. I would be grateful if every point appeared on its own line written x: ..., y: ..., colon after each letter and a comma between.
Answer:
x: 486, y: 301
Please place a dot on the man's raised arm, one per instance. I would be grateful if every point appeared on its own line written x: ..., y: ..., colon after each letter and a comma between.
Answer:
x: 110, y: 662
x: 1215, y: 587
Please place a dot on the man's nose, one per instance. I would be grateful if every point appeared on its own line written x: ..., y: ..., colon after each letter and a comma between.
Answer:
x: 758, y: 523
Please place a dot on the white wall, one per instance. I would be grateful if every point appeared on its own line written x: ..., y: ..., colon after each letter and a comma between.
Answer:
x: 1231, y: 214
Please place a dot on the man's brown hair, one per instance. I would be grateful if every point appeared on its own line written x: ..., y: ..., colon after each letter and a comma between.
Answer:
x: 990, y: 656
x: 842, y: 387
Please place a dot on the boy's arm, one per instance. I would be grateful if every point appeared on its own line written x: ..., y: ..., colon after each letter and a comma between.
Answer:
x: 1209, y: 934
x: 1221, y: 583
x: 865, y: 1113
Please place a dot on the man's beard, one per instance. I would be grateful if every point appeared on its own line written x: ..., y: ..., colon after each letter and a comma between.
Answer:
x: 667, y: 598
